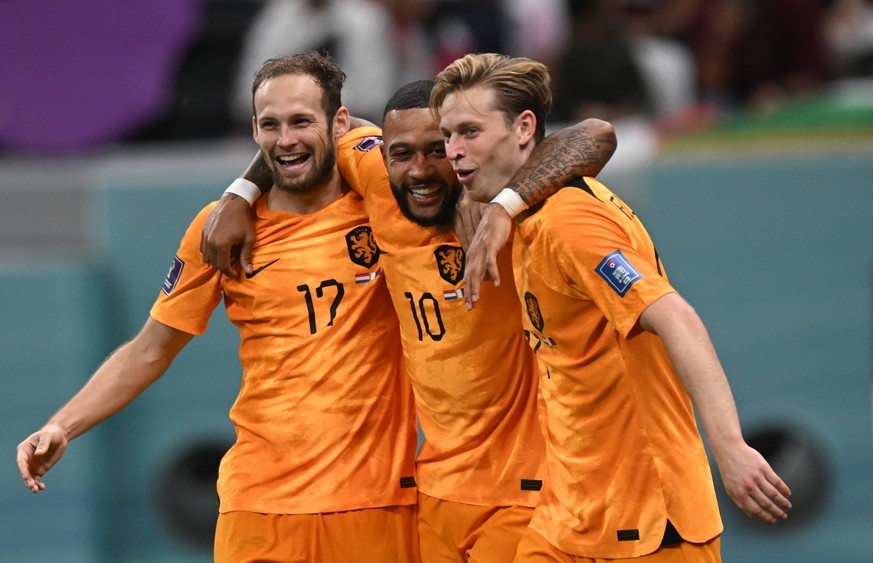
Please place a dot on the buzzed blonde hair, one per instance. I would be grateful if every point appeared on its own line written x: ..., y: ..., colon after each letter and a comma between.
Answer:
x: 519, y: 84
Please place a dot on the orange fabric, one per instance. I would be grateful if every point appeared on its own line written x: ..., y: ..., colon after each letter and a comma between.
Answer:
x: 533, y: 548
x: 465, y: 533
x: 473, y: 374
x: 624, y: 453
x: 324, y: 418
x: 375, y: 535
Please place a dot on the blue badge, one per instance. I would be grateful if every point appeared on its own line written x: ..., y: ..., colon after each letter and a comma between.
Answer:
x: 618, y: 272
x: 368, y: 143
x: 172, y: 276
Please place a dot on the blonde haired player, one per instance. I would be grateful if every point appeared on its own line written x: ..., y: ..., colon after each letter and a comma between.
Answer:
x: 622, y: 356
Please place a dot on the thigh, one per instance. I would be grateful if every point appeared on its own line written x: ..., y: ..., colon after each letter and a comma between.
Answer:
x: 685, y: 552
x: 441, y: 531
x: 534, y: 548
x: 243, y: 537
x: 452, y: 532
x: 496, y: 538
x: 380, y: 535
x: 377, y: 535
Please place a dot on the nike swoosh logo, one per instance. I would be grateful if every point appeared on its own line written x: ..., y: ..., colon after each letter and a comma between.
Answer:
x: 259, y: 270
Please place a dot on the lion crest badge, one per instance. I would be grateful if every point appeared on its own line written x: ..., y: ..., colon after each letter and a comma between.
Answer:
x: 450, y: 263
x: 362, y: 246
x: 533, y: 311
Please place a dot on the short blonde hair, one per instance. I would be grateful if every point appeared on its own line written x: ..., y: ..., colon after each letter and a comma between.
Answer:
x: 519, y: 84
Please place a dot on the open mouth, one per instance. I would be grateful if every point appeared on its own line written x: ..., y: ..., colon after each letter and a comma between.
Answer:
x: 288, y: 162
x: 426, y: 191
x: 465, y: 176
x: 425, y: 194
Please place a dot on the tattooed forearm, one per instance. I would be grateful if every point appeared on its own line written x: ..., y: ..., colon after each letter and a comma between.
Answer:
x: 259, y: 173
x: 580, y: 150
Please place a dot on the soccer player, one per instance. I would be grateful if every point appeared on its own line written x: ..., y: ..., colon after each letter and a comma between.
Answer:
x: 482, y: 461
x: 322, y: 468
x: 622, y: 356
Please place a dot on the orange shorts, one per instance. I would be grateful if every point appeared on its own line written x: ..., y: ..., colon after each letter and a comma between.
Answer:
x: 534, y: 548
x: 456, y: 532
x: 380, y: 535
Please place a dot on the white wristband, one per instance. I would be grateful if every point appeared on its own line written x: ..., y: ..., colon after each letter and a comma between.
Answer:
x: 510, y: 201
x: 249, y: 191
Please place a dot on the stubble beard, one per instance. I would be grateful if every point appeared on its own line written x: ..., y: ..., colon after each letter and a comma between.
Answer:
x: 311, y: 180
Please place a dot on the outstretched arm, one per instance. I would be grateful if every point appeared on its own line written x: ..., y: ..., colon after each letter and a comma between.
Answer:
x: 121, y: 378
x: 580, y: 150
x: 747, y: 477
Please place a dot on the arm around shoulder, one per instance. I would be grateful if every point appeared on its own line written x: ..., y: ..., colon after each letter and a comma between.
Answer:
x: 228, y: 235
x: 582, y: 149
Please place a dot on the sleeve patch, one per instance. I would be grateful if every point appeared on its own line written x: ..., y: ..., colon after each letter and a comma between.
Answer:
x: 173, y: 276
x: 368, y: 143
x: 618, y: 272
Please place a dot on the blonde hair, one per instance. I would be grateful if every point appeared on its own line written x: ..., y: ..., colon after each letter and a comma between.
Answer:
x: 519, y: 84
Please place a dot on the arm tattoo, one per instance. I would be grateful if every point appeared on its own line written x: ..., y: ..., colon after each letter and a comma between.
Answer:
x: 560, y: 157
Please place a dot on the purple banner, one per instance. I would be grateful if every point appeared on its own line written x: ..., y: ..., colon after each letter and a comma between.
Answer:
x: 75, y: 75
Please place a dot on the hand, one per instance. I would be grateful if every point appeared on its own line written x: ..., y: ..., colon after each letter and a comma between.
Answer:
x: 38, y: 453
x: 468, y: 214
x: 228, y: 236
x: 492, y: 234
x: 753, y: 485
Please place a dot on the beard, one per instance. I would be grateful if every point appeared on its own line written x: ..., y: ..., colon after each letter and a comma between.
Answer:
x: 311, y: 180
x: 443, y: 216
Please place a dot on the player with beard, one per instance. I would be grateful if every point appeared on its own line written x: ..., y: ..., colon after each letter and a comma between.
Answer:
x: 481, y: 464
x: 322, y: 467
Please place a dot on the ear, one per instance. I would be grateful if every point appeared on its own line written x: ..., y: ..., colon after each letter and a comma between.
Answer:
x: 255, y: 128
x: 341, y: 123
x: 525, y: 127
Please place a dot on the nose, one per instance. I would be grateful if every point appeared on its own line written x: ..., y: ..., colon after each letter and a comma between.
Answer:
x: 454, y: 148
x: 420, y: 167
x: 287, y: 138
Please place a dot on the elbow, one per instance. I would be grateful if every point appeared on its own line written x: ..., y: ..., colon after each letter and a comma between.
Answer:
x: 603, y: 132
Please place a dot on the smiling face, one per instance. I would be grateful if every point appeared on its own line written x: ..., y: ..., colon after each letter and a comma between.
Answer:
x: 422, y: 179
x: 484, y: 148
x: 294, y: 133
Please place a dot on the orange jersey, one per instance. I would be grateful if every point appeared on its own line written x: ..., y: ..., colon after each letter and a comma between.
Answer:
x: 473, y: 374
x: 624, y: 452
x: 324, y: 418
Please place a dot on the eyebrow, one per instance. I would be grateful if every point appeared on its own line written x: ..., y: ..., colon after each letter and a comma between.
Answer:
x: 410, y: 145
x: 463, y: 125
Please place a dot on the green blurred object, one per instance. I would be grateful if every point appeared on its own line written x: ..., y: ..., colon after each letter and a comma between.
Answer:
x: 840, y: 118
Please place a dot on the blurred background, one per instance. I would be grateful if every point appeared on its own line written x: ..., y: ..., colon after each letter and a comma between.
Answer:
x: 745, y: 144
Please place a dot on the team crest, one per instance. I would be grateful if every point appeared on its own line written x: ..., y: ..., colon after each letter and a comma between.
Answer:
x: 362, y: 246
x: 533, y: 311
x: 450, y: 263
x: 368, y: 143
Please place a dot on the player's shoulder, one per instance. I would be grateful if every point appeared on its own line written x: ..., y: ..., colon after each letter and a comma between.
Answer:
x: 361, y: 139
x: 200, y: 219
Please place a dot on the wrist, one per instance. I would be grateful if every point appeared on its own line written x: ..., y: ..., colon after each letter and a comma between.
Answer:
x: 59, y: 428
x: 245, y: 189
x: 510, y: 201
